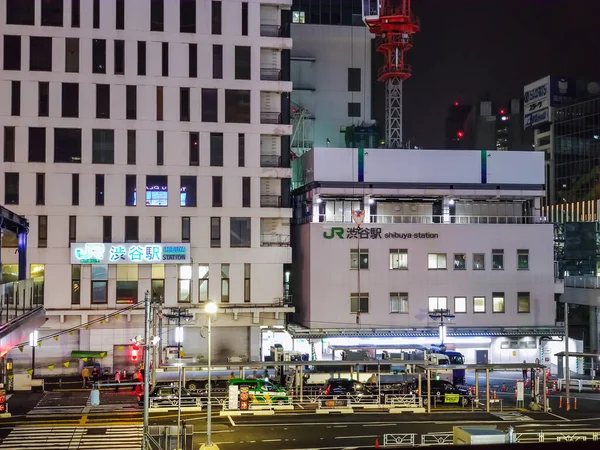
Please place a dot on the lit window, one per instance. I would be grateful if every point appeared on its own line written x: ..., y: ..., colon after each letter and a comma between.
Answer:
x: 498, y: 302
x: 298, y: 17
x: 437, y: 304
x: 478, y: 304
x: 523, y: 302
x: 354, y: 258
x: 460, y: 305
x: 523, y: 259
x: 478, y: 261
x: 157, y: 190
x: 127, y: 283
x: 203, y: 282
x: 497, y: 259
x: 460, y: 261
x: 398, y: 259
x: 399, y: 303
x: 184, y: 284
x: 359, y: 302
x: 436, y: 261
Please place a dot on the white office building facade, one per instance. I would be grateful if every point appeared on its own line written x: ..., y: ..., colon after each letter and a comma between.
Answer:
x: 147, y: 143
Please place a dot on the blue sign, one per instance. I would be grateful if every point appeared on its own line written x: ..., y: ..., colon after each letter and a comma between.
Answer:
x: 93, y: 253
x: 537, y: 118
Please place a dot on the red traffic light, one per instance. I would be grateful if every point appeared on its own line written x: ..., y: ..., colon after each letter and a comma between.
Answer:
x: 135, y: 353
x: 460, y: 134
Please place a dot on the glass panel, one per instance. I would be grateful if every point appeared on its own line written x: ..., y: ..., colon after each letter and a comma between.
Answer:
x: 99, y: 291
x: 498, y: 303
x: 523, y: 301
x: 127, y: 292
x: 460, y: 261
x: 432, y: 261
x: 185, y: 272
x: 479, y: 304
x: 523, y: 259
x: 441, y: 261
x: 497, y: 261
x: 433, y: 304
x: 184, y: 291
x: 100, y: 272
x: 158, y: 289
x: 225, y: 270
x: 127, y: 272
x: 478, y: 261
x: 460, y: 304
x: 158, y: 271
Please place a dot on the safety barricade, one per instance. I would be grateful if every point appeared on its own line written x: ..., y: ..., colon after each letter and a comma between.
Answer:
x: 342, y: 406
x: 365, y: 402
x: 396, y: 440
x: 593, y: 385
x: 437, y: 439
x: 399, y: 403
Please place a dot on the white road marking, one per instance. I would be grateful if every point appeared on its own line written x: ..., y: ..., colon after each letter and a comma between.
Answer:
x: 560, y: 417
x: 356, y: 437
x: 231, y: 421
x: 271, y: 440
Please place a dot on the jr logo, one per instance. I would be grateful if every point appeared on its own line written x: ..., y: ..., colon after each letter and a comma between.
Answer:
x: 335, y: 231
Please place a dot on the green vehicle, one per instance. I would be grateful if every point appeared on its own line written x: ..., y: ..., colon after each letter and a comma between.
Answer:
x: 261, y: 392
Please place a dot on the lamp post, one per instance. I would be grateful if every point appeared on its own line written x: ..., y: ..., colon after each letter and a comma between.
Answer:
x: 33, y: 341
x: 211, y: 309
x: 178, y: 341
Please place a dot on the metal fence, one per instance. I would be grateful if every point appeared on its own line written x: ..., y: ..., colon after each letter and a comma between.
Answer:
x: 164, y: 437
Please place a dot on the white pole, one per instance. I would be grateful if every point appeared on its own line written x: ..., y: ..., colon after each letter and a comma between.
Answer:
x: 209, y: 408
x: 179, y: 411
x: 567, y: 368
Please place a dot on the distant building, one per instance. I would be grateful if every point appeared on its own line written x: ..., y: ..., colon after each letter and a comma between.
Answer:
x: 456, y: 123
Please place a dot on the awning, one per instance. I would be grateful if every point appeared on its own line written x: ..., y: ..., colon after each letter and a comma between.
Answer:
x: 87, y: 354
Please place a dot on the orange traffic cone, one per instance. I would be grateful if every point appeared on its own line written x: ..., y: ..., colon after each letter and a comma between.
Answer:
x: 560, y: 402
x: 495, y: 396
x: 554, y: 387
x: 376, y: 443
x: 575, y: 404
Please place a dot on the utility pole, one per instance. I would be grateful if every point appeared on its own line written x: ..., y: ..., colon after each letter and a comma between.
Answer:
x: 155, y: 315
x: 441, y: 314
x: 146, y: 371
x: 177, y: 315
x: 567, y: 368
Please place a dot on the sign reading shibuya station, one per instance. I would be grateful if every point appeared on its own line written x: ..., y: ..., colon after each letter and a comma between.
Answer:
x: 373, y: 233
x: 129, y: 253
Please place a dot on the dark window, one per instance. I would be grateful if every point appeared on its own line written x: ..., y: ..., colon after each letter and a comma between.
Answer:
x: 72, y: 229
x: 131, y: 102
x: 103, y: 147
x: 184, y: 104
x: 188, y: 191
x: 217, y: 61
x: 353, y: 79
x: 242, y: 63
x: 157, y: 190
x: 106, y: 229
x: 246, y: 192
x: 131, y: 147
x: 216, y: 17
x: 75, y: 189
x: 96, y: 14
x: 132, y: 228
x: 193, y: 60
x: 130, y: 190
x: 194, y: 149
x: 75, y: 8
x: 42, y: 231
x: 20, y: 12
x: 9, y: 144
x: 157, y: 15
x: 237, y: 106
x: 43, y: 98
x: 40, y: 189
x: 159, y: 103
x: 52, y: 13
x: 98, y: 56
x: 165, y: 59
x: 99, y: 190
x: 239, y: 235
x: 215, y: 232
x: 209, y: 105
x: 217, y: 192
x: 11, y: 188
x: 216, y: 149
x: 75, y: 284
x: 120, y: 16
x: 67, y: 145
x: 15, y: 98
x: 37, y: 145
x: 185, y: 229
x: 72, y: 55
x: 160, y: 148
x: 353, y: 109
x: 141, y: 58
x: 102, y: 101
x: 40, y: 54
x: 158, y: 229
x: 70, y: 100
x: 241, y: 150
x: 12, y: 53
x: 119, y: 57
x: 187, y: 16
x: 244, y: 18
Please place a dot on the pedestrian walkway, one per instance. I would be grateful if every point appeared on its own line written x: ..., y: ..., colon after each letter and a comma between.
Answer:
x: 79, y: 403
x: 73, y: 438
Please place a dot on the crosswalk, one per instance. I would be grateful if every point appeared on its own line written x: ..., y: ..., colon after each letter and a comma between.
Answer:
x: 126, y: 437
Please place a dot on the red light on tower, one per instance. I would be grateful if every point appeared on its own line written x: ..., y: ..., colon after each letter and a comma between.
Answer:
x: 502, y: 111
x: 456, y: 103
x: 135, y: 353
x: 460, y: 134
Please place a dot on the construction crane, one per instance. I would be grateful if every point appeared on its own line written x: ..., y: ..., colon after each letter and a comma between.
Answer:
x: 394, y: 25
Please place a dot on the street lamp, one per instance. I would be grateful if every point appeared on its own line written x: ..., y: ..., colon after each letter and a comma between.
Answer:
x: 179, y: 340
x: 33, y: 341
x: 210, y: 309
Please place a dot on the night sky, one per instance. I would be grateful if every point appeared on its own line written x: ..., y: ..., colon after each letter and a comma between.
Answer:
x: 468, y: 48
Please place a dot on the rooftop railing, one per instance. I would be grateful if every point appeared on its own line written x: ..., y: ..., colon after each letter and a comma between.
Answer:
x: 585, y: 282
x: 426, y: 219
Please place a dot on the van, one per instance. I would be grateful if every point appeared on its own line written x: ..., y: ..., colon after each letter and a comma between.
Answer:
x: 262, y: 392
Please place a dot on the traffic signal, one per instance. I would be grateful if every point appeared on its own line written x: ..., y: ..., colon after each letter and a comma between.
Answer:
x: 460, y: 134
x: 135, y: 353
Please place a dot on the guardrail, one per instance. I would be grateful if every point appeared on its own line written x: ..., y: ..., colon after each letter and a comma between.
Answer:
x: 269, y: 117
x: 585, y: 282
x: 426, y: 219
x: 270, y: 161
x: 275, y: 240
x: 581, y: 384
x: 403, y: 400
x: 406, y: 439
x: 270, y: 30
x: 268, y: 74
x: 270, y: 201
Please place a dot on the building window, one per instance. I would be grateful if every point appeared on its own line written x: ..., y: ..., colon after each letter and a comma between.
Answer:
x: 187, y: 16
x: 478, y: 304
x: 399, y: 259
x: 193, y: 60
x: 9, y: 144
x: 188, y: 190
x: 15, y: 98
x: 246, y: 192
x: 70, y: 100
x: 460, y: 305
x: 75, y: 189
x: 131, y: 147
x: 141, y: 58
x: 37, y: 272
x: 203, y: 282
x: 107, y: 229
x: 157, y: 284
x: 40, y: 189
x: 131, y: 102
x: 209, y: 105
x: 72, y: 55
x: 241, y: 150
x: 498, y: 302
x: 52, y: 13
x: 497, y: 259
x: 478, y: 261
x: 43, y: 98
x: 399, y: 303
x: 240, y: 232
x: 120, y: 15
x: 523, y: 302
x: 184, y: 104
x: 217, y: 192
x: 185, y: 230
x: 436, y: 261
x: 130, y: 190
x: 247, y: 273
x: 224, y: 283
x: 42, y: 231
x: 158, y: 229
x: 160, y: 148
x: 67, y: 145
x: 217, y: 61
x: 40, y: 54
x: 98, y: 56
x: 99, y: 283
x: 132, y: 228
x: 12, y: 52
x: 237, y: 106
x: 298, y: 17
x: 359, y: 303
x: 103, y: 147
x: 165, y: 59
x: 215, y: 232
x: 353, y: 109
x: 216, y: 17
x: 460, y: 261
x: 159, y: 103
x: 20, y: 12
x: 157, y: 15
x: 75, y: 13
x: 157, y: 190
x: 127, y: 284
x: 75, y: 284
x: 37, y: 145
x: 103, y: 101
x: 353, y: 79
x: 99, y: 190
x: 359, y: 259
x: 243, y: 67
x: 216, y: 149
x: 96, y: 14
x: 194, y: 149
x: 523, y: 259
x: 11, y: 188
x: 72, y: 229
x: 437, y: 304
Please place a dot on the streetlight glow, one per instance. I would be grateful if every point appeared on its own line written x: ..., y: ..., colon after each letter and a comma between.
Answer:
x: 211, y: 308
x: 179, y: 335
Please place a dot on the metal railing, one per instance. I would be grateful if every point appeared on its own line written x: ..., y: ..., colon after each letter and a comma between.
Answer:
x: 427, y: 219
x: 270, y: 201
x: 267, y: 117
x: 406, y: 439
x: 586, y: 282
x: 268, y: 74
x: 270, y: 30
x: 274, y: 240
x: 270, y: 161
x: 20, y: 297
